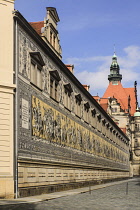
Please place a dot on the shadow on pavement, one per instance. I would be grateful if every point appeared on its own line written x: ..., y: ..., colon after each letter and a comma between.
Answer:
x: 29, y: 206
x: 137, y: 181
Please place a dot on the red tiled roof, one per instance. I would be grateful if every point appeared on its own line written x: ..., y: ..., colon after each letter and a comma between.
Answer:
x: 123, y: 129
x: 37, y: 26
x: 104, y: 106
x: 122, y: 94
x: 97, y: 98
x: 131, y: 92
x: 104, y: 103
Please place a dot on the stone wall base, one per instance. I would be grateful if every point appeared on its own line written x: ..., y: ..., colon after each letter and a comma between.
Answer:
x: 136, y: 170
x: 36, y: 178
x: 30, y: 191
x: 6, y: 188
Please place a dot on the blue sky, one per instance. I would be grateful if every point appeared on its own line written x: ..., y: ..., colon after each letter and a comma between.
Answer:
x: 88, y: 30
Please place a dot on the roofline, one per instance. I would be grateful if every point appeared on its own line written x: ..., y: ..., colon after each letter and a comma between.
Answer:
x: 42, y: 21
x: 45, y: 47
x: 53, y: 8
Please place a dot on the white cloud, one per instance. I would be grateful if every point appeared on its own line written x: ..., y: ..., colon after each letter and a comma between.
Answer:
x: 129, y: 75
x: 132, y: 58
x: 96, y: 80
x: 94, y: 70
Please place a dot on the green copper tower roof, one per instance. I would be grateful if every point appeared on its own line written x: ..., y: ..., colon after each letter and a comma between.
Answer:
x: 114, y: 70
x: 137, y: 113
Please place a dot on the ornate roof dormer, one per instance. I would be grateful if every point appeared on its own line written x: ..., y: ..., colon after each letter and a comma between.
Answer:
x: 47, y: 29
x: 114, y: 70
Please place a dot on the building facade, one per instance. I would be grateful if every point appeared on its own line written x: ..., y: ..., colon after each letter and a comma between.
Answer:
x: 53, y: 134
x: 122, y: 106
x: 7, y: 88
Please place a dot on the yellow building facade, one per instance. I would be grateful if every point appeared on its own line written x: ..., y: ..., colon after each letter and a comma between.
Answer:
x: 6, y: 100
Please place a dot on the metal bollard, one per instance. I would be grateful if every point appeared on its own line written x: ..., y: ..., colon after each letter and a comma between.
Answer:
x: 89, y: 188
x: 127, y: 188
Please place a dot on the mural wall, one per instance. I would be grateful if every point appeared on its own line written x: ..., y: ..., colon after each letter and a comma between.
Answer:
x: 52, y: 126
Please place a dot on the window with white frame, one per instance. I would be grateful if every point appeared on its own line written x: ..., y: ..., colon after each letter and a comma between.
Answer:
x: 114, y: 110
x: 54, y: 84
x: 103, y: 127
x: 93, y: 118
x: 98, y: 121
x: 86, y: 112
x: 53, y: 36
x: 36, y: 66
x: 67, y: 96
x: 78, y: 100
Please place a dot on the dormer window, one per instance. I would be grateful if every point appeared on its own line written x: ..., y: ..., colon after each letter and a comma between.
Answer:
x: 37, y: 64
x: 114, y: 110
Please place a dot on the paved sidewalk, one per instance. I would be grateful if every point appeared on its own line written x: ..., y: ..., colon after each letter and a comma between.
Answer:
x: 46, y: 197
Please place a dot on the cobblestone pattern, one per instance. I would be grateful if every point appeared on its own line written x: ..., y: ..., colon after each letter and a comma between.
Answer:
x: 114, y: 197
x: 121, y: 196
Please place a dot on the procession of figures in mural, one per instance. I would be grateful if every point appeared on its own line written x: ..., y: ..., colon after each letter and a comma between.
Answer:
x: 51, y: 125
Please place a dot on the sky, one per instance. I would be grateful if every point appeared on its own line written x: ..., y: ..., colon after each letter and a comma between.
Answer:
x: 88, y: 30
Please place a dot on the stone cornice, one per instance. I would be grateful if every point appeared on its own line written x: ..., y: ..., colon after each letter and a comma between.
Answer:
x: 10, y: 1
x: 7, y: 88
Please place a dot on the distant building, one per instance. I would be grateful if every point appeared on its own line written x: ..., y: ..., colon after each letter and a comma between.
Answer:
x: 53, y: 134
x: 120, y: 103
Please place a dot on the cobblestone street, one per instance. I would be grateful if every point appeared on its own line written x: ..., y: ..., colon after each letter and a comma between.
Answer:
x: 124, y: 196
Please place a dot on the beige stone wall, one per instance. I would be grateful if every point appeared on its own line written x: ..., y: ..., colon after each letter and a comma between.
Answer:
x: 6, y: 42
x: 122, y: 120
x: 6, y: 143
x: 136, y: 169
x: 6, y: 131
x: 6, y: 187
x: 6, y: 99
x: 31, y: 175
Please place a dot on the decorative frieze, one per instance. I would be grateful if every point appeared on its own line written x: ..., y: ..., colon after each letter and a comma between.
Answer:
x: 53, y: 126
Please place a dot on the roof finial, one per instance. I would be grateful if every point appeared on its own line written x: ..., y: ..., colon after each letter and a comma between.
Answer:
x: 114, y: 50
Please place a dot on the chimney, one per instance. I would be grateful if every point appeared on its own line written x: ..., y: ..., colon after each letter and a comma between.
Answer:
x: 70, y: 67
x: 86, y: 87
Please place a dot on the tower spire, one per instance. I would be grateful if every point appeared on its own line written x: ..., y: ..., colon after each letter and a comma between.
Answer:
x: 114, y: 50
x: 115, y: 75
